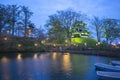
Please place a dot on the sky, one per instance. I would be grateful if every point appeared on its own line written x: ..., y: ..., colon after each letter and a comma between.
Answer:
x: 43, y: 8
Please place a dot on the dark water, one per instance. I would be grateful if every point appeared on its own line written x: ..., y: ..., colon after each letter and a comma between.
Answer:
x: 49, y: 66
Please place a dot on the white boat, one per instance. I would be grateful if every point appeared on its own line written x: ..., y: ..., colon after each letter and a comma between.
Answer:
x: 108, y: 75
x: 116, y: 63
x: 107, y: 67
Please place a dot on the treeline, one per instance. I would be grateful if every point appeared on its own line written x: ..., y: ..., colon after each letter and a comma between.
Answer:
x: 17, y: 31
x: 15, y: 21
x: 107, y: 29
x: 59, y: 26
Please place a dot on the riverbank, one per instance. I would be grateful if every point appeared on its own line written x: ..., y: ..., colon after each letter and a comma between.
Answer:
x: 106, y: 53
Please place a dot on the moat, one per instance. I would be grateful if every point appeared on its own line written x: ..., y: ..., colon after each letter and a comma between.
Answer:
x: 49, y: 66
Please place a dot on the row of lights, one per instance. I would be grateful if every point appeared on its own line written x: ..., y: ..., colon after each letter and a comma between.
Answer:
x: 19, y: 45
x: 35, y: 44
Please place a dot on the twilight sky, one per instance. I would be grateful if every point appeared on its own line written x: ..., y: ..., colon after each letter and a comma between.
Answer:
x: 43, y: 8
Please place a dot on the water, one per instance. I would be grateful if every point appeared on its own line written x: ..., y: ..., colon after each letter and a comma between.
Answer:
x: 49, y: 66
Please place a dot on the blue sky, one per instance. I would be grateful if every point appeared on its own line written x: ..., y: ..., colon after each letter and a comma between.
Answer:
x: 43, y: 8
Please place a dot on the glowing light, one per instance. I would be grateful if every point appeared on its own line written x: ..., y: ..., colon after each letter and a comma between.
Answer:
x: 98, y: 43
x: 66, y: 62
x: 76, y: 40
x: 113, y: 44
x: 19, y: 45
x: 66, y: 45
x: 29, y: 31
x: 35, y: 44
x: 19, y: 57
x: 85, y: 44
x: 5, y: 38
x: 4, y: 59
x: 54, y: 45
x: 7, y: 31
x: 43, y: 41
x: 119, y: 42
x: 35, y: 56
x: 54, y: 56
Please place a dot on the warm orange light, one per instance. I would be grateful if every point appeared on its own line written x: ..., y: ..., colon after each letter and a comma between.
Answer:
x: 4, y: 59
x: 54, y: 56
x: 66, y: 62
x: 19, y: 57
x: 35, y: 56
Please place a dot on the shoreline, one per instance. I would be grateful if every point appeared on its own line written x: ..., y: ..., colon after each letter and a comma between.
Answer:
x: 106, y: 53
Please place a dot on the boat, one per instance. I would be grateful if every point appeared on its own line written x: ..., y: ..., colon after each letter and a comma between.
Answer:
x: 116, y: 63
x: 107, y: 67
x: 102, y: 75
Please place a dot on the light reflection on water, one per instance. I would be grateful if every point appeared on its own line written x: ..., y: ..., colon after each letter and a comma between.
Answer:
x: 19, y: 58
x: 49, y: 66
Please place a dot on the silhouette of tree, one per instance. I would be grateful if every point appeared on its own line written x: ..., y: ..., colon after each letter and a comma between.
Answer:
x: 13, y: 16
x: 97, y: 23
x: 26, y: 13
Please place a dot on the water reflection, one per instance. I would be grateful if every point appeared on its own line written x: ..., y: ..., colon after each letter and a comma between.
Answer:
x: 5, y: 68
x: 19, y: 58
x: 48, y: 66
x: 4, y: 59
x: 54, y: 55
x: 35, y: 56
x: 66, y: 63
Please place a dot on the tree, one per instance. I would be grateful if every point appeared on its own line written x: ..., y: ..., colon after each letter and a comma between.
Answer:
x: 3, y: 17
x: 97, y: 23
x: 40, y: 33
x: 64, y: 20
x: 56, y: 31
x: 111, y: 30
x: 68, y: 18
x: 13, y: 16
x: 26, y: 19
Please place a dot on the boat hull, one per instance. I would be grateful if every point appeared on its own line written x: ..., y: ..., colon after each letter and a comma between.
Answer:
x: 116, y: 63
x: 102, y: 75
x: 106, y: 67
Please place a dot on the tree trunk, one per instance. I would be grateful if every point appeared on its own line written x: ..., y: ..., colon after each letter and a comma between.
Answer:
x: 13, y: 28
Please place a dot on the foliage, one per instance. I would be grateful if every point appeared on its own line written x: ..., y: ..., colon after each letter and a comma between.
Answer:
x: 111, y: 30
x: 60, y: 24
x: 3, y: 17
x: 25, y: 20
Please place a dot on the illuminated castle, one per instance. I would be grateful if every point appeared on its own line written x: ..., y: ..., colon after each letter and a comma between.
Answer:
x: 79, y: 31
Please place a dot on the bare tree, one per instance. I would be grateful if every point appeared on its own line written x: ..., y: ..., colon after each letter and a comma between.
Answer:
x: 97, y: 23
